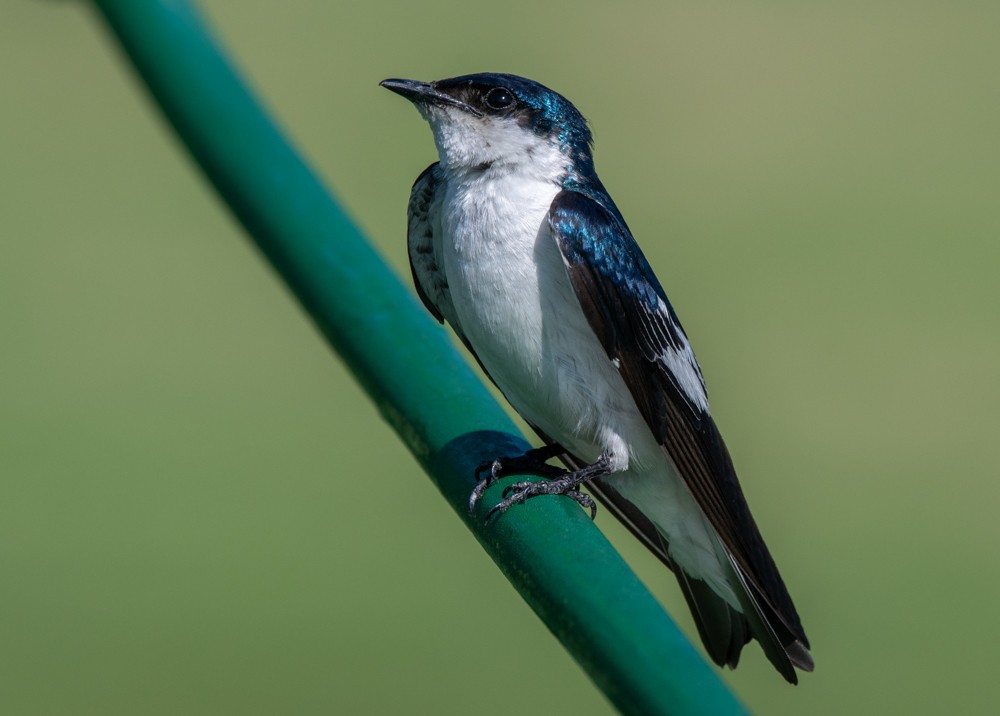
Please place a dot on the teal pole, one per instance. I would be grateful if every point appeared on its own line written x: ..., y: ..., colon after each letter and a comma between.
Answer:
x: 548, y: 548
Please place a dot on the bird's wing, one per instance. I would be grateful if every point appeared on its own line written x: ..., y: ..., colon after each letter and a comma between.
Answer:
x: 631, y: 316
x: 423, y: 243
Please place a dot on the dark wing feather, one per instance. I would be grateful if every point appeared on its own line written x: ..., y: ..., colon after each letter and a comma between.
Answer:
x: 631, y: 316
x: 422, y: 241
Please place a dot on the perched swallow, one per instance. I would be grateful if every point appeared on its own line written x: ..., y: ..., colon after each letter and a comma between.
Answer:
x: 514, y: 241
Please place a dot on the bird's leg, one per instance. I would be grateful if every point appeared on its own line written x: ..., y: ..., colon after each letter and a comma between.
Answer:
x: 568, y: 485
x: 532, y: 462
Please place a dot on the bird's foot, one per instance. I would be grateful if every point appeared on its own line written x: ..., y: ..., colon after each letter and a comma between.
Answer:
x: 567, y: 484
x: 533, y: 462
x: 521, y: 491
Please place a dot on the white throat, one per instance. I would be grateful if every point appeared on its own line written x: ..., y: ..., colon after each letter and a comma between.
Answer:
x: 469, y: 143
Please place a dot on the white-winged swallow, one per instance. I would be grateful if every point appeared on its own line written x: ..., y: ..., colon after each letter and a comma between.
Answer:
x: 514, y: 241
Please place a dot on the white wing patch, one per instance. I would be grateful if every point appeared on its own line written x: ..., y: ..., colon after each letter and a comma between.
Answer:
x: 684, y: 367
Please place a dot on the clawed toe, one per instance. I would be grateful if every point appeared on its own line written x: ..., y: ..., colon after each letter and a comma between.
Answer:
x: 486, y: 474
x: 530, y: 463
x: 520, y: 491
x: 477, y: 493
x: 520, y: 487
x: 560, y: 482
x: 584, y: 500
x: 489, y: 471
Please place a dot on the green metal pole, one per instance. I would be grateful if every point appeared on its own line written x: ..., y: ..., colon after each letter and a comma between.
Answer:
x: 548, y: 548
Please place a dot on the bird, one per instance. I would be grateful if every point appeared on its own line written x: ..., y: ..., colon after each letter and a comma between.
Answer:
x: 516, y: 244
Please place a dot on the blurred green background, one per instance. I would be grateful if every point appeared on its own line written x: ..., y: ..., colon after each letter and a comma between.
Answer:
x: 200, y: 511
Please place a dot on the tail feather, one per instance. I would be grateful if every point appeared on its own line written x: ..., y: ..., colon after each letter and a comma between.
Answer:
x: 781, y: 644
x: 723, y: 630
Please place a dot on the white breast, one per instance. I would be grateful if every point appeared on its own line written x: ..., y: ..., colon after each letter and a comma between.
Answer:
x: 516, y: 306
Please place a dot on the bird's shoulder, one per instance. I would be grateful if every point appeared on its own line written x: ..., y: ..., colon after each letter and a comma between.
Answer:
x: 622, y: 297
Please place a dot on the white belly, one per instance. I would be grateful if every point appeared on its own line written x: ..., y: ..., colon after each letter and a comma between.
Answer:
x: 515, y: 304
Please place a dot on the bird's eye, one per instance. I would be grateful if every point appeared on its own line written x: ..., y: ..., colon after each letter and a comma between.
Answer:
x: 499, y: 98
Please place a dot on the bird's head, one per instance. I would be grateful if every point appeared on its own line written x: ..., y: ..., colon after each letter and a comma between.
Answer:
x: 484, y: 120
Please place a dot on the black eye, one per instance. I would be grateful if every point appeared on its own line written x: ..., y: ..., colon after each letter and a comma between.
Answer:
x: 499, y: 98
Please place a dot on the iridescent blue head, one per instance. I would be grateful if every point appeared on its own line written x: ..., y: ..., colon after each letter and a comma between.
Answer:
x: 486, y: 119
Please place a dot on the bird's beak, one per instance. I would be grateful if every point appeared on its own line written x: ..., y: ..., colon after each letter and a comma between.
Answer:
x: 425, y: 93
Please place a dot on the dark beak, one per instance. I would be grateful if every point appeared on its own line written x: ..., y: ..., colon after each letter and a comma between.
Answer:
x: 425, y: 93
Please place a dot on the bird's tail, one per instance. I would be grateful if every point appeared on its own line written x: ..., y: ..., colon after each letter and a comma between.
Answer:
x: 724, y: 630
